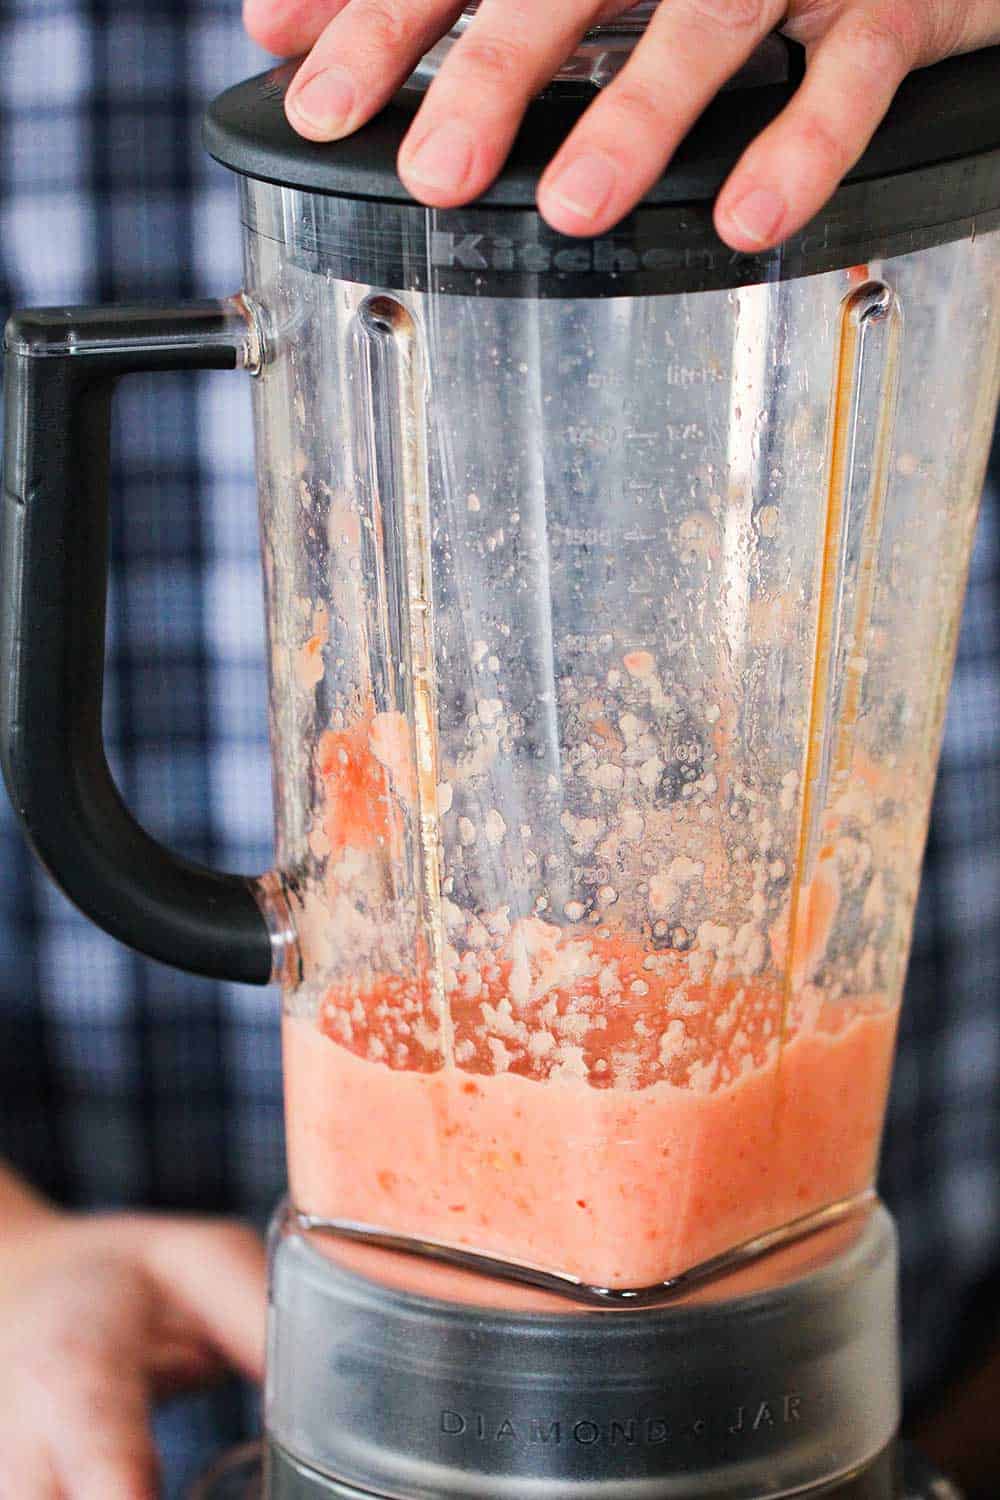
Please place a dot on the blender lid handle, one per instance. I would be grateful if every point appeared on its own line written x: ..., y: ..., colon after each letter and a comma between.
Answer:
x: 61, y: 368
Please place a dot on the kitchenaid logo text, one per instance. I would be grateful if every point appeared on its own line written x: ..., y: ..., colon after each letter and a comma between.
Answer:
x: 738, y: 1421
x: 478, y: 251
x: 495, y: 252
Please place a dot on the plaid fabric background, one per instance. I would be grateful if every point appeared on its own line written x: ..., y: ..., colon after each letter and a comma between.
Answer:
x: 122, y: 1082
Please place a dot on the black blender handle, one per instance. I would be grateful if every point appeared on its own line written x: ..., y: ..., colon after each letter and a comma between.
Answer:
x: 61, y: 368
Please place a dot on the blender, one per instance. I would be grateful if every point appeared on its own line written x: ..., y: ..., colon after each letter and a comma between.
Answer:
x: 612, y: 593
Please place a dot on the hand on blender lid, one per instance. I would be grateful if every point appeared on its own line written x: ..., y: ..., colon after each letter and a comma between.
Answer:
x: 858, y: 52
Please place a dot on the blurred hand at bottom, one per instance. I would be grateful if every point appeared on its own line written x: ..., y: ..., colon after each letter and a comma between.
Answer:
x: 99, y: 1318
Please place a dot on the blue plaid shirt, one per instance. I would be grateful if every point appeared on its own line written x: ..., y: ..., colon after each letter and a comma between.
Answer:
x: 123, y: 1082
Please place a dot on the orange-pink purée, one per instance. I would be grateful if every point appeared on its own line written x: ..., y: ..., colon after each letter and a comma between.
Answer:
x: 618, y: 1185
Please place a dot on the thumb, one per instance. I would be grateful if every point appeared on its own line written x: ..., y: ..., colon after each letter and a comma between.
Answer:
x: 215, y: 1273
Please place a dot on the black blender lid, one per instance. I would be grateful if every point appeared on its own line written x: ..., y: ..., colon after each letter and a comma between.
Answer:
x: 943, y: 116
x: 931, y: 175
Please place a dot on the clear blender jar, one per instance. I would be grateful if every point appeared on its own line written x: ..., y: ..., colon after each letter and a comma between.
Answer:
x: 610, y: 639
x: 612, y: 595
x: 608, y: 653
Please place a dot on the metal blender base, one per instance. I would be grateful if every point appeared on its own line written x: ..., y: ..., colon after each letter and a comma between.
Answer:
x: 780, y: 1381
x: 240, y: 1476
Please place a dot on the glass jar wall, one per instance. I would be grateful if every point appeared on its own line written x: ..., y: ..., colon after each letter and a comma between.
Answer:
x: 610, y: 640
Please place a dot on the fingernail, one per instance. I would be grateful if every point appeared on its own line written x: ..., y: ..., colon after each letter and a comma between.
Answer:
x: 326, y: 102
x: 443, y: 159
x: 758, y: 215
x: 585, y: 186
